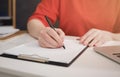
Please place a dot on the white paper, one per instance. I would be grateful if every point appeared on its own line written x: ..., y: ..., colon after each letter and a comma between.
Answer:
x: 7, y: 30
x: 73, y: 48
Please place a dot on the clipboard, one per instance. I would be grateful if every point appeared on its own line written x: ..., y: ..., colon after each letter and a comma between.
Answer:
x: 59, y: 57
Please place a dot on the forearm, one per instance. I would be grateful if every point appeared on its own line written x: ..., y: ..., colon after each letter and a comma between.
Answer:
x: 116, y: 36
x: 34, y: 26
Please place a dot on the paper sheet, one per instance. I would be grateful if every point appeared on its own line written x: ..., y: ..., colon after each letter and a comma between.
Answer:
x: 73, y: 48
x: 7, y: 30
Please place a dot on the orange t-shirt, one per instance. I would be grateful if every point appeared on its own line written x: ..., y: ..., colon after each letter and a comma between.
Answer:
x: 76, y: 17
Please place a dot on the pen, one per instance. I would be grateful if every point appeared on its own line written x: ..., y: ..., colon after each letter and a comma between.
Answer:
x: 50, y: 24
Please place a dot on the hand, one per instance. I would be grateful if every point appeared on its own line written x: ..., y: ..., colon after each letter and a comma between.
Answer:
x: 49, y: 38
x: 97, y: 36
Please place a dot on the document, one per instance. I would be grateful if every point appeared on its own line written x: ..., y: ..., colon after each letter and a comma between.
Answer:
x: 7, y: 31
x: 60, y: 55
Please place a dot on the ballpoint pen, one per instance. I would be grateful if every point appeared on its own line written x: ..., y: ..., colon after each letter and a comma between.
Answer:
x: 50, y: 24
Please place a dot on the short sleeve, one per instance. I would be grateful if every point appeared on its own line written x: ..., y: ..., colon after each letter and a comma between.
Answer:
x: 49, y: 8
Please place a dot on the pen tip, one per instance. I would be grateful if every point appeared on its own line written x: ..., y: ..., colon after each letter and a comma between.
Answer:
x: 64, y: 47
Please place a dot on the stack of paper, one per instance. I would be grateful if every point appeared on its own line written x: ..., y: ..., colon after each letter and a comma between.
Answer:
x: 7, y: 31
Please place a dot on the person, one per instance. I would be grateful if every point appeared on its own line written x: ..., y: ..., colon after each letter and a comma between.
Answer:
x: 96, y: 20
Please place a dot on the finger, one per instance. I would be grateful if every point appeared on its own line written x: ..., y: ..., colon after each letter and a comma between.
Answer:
x: 89, y: 38
x: 55, y: 36
x: 83, y: 38
x: 49, y: 39
x: 45, y: 40
x: 95, y: 40
x: 45, y: 44
x: 61, y: 34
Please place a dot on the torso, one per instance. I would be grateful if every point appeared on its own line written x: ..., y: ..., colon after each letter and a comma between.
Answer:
x: 78, y: 16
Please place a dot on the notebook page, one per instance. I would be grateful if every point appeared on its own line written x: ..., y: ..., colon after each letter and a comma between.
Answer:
x: 15, y: 41
x: 73, y: 48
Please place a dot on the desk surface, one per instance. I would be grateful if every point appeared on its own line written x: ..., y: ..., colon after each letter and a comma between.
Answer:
x: 89, y: 64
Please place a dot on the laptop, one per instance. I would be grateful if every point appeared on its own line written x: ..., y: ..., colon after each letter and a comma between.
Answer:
x: 111, y: 52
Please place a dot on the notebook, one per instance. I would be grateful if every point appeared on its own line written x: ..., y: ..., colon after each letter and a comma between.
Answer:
x: 111, y: 52
x: 60, y: 56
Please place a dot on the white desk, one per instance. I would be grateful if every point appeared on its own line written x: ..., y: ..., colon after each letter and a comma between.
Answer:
x: 89, y: 64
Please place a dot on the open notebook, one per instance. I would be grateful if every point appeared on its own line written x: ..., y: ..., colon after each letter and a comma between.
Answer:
x: 60, y: 56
